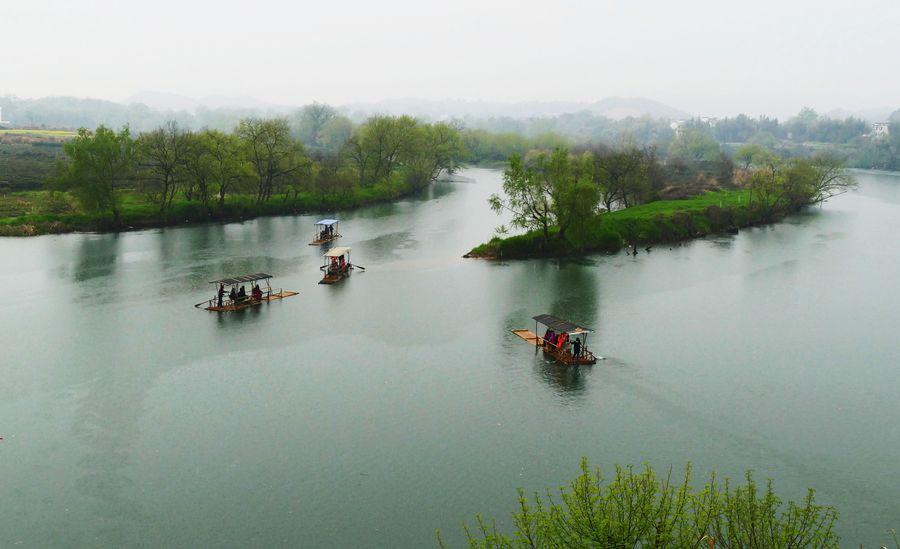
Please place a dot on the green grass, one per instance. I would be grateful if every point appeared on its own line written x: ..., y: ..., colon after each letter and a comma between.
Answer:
x: 30, y: 213
x: 652, y: 223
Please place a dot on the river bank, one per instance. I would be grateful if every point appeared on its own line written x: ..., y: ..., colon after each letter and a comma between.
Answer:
x: 659, y: 222
x: 36, y: 213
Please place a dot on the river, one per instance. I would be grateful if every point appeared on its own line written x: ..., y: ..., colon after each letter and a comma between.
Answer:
x: 374, y: 411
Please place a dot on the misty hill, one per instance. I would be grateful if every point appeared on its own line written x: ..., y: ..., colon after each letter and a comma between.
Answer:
x: 75, y: 112
x: 165, y: 101
x: 616, y: 108
x: 878, y: 114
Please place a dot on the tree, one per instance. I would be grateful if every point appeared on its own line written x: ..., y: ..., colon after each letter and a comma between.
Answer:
x: 99, y: 164
x: 752, y: 154
x: 227, y: 164
x: 640, y: 509
x: 377, y: 147
x: 334, y: 134
x: 310, y: 122
x: 272, y: 153
x: 825, y: 176
x: 528, y: 198
x: 550, y: 189
x: 161, y: 156
x: 694, y: 144
x: 213, y: 163
x: 434, y: 148
x: 621, y: 177
x: 789, y: 185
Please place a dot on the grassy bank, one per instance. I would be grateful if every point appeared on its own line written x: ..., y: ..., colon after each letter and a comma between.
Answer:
x: 44, y: 212
x: 652, y: 223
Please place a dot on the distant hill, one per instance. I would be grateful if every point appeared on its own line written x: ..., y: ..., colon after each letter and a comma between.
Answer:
x: 165, y: 101
x: 880, y: 114
x: 615, y: 108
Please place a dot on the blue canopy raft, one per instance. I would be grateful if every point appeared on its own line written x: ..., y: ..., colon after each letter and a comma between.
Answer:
x: 564, y: 353
x: 232, y: 301
x: 326, y: 231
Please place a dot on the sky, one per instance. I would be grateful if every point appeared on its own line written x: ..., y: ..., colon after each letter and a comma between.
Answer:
x: 706, y: 57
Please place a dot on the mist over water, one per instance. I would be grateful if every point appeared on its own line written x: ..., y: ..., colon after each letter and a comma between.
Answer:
x: 371, y: 412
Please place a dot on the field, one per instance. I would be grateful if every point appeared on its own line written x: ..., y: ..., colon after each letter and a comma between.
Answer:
x: 59, y: 134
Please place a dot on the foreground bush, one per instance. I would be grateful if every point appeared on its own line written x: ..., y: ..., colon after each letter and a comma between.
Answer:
x: 638, y: 509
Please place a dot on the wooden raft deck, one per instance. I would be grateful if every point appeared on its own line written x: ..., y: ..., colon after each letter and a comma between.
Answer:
x: 240, y: 306
x: 529, y: 337
x: 533, y: 339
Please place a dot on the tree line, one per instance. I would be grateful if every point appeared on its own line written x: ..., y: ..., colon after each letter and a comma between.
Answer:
x: 320, y: 154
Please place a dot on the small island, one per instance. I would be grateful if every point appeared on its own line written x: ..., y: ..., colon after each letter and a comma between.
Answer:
x: 603, y: 200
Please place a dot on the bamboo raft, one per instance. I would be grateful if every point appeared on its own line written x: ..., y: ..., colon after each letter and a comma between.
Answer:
x: 226, y: 303
x: 245, y: 303
x: 561, y: 355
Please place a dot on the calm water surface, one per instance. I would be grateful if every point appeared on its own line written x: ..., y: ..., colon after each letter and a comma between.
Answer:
x: 372, y: 412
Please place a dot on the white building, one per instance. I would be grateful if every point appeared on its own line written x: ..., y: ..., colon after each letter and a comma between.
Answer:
x: 881, y: 129
x: 1, y: 117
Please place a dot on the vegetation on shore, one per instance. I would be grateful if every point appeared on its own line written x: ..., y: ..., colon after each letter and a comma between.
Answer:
x: 638, y: 508
x: 605, y: 200
x: 32, y: 213
x: 110, y: 180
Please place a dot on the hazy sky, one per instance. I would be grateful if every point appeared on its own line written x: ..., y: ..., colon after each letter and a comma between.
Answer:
x: 708, y: 57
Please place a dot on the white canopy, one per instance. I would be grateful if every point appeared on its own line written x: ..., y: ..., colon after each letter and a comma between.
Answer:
x: 337, y: 252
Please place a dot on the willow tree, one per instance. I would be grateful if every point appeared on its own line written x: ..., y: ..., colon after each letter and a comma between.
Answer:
x: 550, y: 190
x: 527, y: 196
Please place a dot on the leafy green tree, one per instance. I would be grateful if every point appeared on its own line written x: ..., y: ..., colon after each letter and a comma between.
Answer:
x: 213, y: 163
x: 273, y: 154
x: 435, y: 148
x: 528, y: 197
x: 550, y: 189
x: 377, y: 147
x: 637, y: 508
x: 100, y: 162
x: 227, y: 163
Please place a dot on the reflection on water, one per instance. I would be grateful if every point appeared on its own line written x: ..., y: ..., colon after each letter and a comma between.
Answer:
x: 567, y: 381
x: 97, y: 256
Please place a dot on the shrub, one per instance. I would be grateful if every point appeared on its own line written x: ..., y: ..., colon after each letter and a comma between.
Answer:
x: 640, y: 509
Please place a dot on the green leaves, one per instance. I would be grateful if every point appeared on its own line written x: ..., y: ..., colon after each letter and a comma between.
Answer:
x: 636, y: 508
x: 100, y: 162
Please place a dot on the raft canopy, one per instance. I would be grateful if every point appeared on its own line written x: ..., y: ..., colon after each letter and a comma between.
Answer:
x: 243, y: 279
x: 337, y: 252
x: 560, y: 325
x: 327, y: 222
